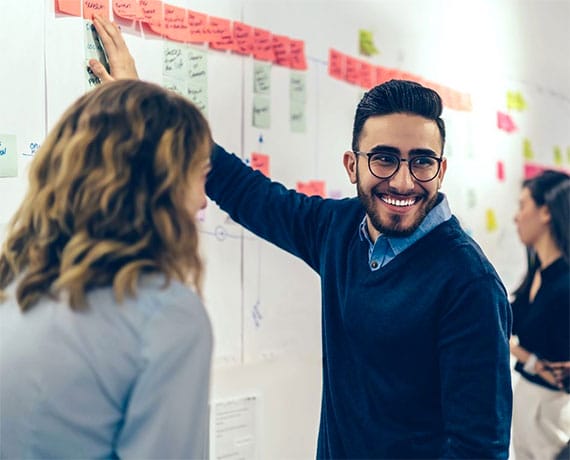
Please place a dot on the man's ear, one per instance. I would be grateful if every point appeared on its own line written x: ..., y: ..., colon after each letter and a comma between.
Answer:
x: 441, y: 174
x: 350, y: 164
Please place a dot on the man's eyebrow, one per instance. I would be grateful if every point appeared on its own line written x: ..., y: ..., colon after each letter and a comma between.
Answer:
x: 396, y: 151
x: 385, y: 149
x: 423, y: 152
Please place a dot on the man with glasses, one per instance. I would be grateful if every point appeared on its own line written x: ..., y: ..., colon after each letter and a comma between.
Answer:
x: 415, y: 320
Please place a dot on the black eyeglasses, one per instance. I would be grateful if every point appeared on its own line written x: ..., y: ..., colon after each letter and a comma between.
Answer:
x: 384, y: 165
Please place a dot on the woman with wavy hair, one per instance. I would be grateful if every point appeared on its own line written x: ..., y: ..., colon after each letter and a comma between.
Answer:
x: 105, y: 346
x: 541, y: 320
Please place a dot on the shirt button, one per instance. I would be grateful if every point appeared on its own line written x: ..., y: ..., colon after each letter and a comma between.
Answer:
x: 374, y: 264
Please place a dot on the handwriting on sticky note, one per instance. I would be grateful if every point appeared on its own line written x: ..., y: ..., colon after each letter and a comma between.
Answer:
x: 337, y: 64
x: 93, y: 7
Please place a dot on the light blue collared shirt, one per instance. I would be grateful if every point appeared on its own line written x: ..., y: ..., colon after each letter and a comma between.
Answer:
x: 387, y: 248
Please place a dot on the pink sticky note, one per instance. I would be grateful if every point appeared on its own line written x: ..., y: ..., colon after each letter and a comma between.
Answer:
x: 260, y: 162
x: 500, y: 171
x: 298, y: 58
x: 243, y: 37
x: 72, y: 7
x: 175, y: 23
x: 384, y: 74
x: 505, y: 122
x: 312, y: 188
x: 353, y: 74
x: 337, y: 64
x: 262, y: 45
x: 226, y: 40
x: 152, y: 12
x: 127, y: 9
x: 367, y: 75
x: 198, y: 23
x: 282, y: 50
x: 93, y: 7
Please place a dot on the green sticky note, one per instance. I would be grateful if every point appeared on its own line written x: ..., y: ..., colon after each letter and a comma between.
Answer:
x: 557, y: 155
x: 262, y: 78
x: 528, y: 153
x: 298, y: 117
x: 568, y: 155
x: 515, y: 101
x: 298, y: 86
x: 261, y: 111
x: 8, y: 157
x: 366, y: 43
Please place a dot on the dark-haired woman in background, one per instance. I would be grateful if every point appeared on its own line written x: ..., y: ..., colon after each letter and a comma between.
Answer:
x: 541, y: 320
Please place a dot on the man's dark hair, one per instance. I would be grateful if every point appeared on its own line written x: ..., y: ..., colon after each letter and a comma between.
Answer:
x: 398, y: 96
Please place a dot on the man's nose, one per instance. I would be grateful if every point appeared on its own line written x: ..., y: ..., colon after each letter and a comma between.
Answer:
x: 403, y: 179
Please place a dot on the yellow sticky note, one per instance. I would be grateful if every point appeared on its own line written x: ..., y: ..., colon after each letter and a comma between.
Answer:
x: 491, y: 220
x: 528, y: 153
x: 515, y: 101
x: 557, y: 155
x: 568, y: 155
x: 366, y: 43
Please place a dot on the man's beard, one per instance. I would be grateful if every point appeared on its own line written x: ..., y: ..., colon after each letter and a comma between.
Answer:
x: 393, y: 228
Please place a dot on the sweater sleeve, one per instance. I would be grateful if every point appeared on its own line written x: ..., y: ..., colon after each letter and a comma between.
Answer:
x: 286, y: 218
x: 474, y: 370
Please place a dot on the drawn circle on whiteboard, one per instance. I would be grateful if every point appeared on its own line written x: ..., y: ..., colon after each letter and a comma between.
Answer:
x: 220, y: 233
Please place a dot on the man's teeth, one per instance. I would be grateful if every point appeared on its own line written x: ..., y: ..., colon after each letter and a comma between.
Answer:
x: 395, y: 202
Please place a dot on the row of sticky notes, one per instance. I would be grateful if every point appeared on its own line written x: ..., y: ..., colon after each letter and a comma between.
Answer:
x: 187, y: 26
x: 362, y: 73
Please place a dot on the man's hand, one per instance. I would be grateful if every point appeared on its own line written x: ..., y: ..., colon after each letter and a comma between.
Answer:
x: 121, y: 62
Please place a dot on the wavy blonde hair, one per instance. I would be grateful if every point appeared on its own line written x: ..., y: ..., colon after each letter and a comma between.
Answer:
x: 107, y: 197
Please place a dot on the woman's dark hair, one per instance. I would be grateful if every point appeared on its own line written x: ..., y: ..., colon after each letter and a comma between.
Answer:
x: 398, y: 96
x: 550, y: 189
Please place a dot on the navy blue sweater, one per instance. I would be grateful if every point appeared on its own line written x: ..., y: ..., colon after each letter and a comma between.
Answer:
x: 415, y: 354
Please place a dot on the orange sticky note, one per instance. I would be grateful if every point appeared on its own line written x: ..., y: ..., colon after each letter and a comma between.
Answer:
x: 282, y: 50
x: 152, y: 12
x: 175, y: 23
x: 93, y: 7
x: 353, y: 66
x: 243, y: 38
x: 262, y: 45
x: 260, y: 162
x: 216, y: 29
x: 198, y: 23
x: 72, y: 7
x: 127, y: 9
x: 312, y: 188
x: 384, y: 74
x: 337, y: 64
x: 298, y: 58
x: 367, y: 75
x: 225, y: 41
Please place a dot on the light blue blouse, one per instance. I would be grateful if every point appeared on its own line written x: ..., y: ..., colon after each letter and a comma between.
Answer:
x: 126, y: 380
